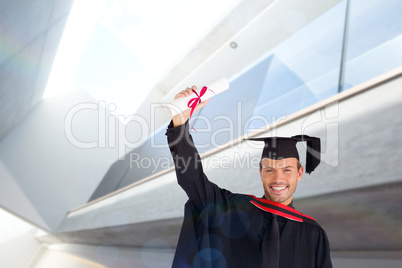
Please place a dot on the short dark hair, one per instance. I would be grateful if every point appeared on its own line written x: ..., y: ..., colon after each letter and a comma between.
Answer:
x: 299, y: 165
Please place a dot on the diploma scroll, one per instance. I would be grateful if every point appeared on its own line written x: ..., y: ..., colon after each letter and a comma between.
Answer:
x: 213, y: 88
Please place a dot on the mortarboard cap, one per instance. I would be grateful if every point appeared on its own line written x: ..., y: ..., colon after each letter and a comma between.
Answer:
x: 283, y: 147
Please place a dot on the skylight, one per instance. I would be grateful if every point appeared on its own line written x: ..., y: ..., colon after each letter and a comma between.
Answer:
x: 117, y: 50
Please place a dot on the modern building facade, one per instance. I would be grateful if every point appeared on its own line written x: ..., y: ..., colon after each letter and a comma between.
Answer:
x: 87, y: 175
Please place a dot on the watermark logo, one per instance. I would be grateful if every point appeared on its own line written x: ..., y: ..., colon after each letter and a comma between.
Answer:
x: 111, y: 129
x: 126, y: 133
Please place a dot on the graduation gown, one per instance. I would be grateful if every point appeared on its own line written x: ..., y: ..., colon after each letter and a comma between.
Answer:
x: 225, y: 229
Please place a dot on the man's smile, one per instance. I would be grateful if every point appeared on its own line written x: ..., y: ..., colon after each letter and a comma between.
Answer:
x: 278, y: 189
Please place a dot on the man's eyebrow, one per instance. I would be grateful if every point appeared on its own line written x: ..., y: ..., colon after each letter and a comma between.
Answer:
x: 288, y: 167
x: 278, y: 167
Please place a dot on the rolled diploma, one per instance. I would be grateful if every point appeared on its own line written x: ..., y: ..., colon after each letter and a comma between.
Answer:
x: 213, y: 88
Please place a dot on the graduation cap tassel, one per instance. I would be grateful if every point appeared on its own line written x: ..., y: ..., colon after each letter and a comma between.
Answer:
x: 313, y: 152
x: 313, y: 157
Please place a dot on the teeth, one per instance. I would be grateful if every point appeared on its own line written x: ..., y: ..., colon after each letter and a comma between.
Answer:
x: 278, y: 188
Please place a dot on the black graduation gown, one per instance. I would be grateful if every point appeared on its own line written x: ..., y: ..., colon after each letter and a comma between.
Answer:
x: 224, y: 229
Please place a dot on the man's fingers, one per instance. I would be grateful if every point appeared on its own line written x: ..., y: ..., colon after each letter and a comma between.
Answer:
x: 181, y: 94
x: 189, y: 91
x: 184, y: 93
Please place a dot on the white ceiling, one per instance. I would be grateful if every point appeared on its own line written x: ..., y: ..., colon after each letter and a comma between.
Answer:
x: 117, y: 50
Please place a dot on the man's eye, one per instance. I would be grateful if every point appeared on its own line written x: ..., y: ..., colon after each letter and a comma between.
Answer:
x: 269, y: 170
x: 287, y: 170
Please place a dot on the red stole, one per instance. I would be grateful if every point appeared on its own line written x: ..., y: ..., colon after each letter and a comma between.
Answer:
x: 279, y: 209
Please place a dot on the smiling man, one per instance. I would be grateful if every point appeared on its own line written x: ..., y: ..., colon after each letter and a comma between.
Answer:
x: 225, y: 229
x: 280, y: 168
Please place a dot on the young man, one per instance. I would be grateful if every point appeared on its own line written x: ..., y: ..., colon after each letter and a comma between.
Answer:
x: 224, y: 229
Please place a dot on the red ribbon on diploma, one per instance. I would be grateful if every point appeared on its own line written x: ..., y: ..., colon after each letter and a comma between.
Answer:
x: 195, y: 101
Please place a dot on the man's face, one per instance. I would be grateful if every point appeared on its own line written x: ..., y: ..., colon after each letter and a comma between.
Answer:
x: 279, y: 179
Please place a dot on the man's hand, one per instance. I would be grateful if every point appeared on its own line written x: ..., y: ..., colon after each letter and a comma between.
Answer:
x: 182, y: 118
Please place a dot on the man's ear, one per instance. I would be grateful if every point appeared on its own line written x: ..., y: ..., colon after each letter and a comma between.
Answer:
x: 300, y: 173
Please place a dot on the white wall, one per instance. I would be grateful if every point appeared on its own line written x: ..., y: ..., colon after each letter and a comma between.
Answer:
x: 13, y: 198
x: 45, y: 171
x: 17, y: 243
x: 19, y: 251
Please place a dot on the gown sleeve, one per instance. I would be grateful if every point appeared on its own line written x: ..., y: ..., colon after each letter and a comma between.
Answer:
x: 323, y: 258
x: 189, y: 171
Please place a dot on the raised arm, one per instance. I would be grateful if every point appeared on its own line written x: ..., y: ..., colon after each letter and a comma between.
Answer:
x: 189, y: 171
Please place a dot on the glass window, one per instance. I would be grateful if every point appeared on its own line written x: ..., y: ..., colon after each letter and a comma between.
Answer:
x: 304, y: 69
x: 374, y: 40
